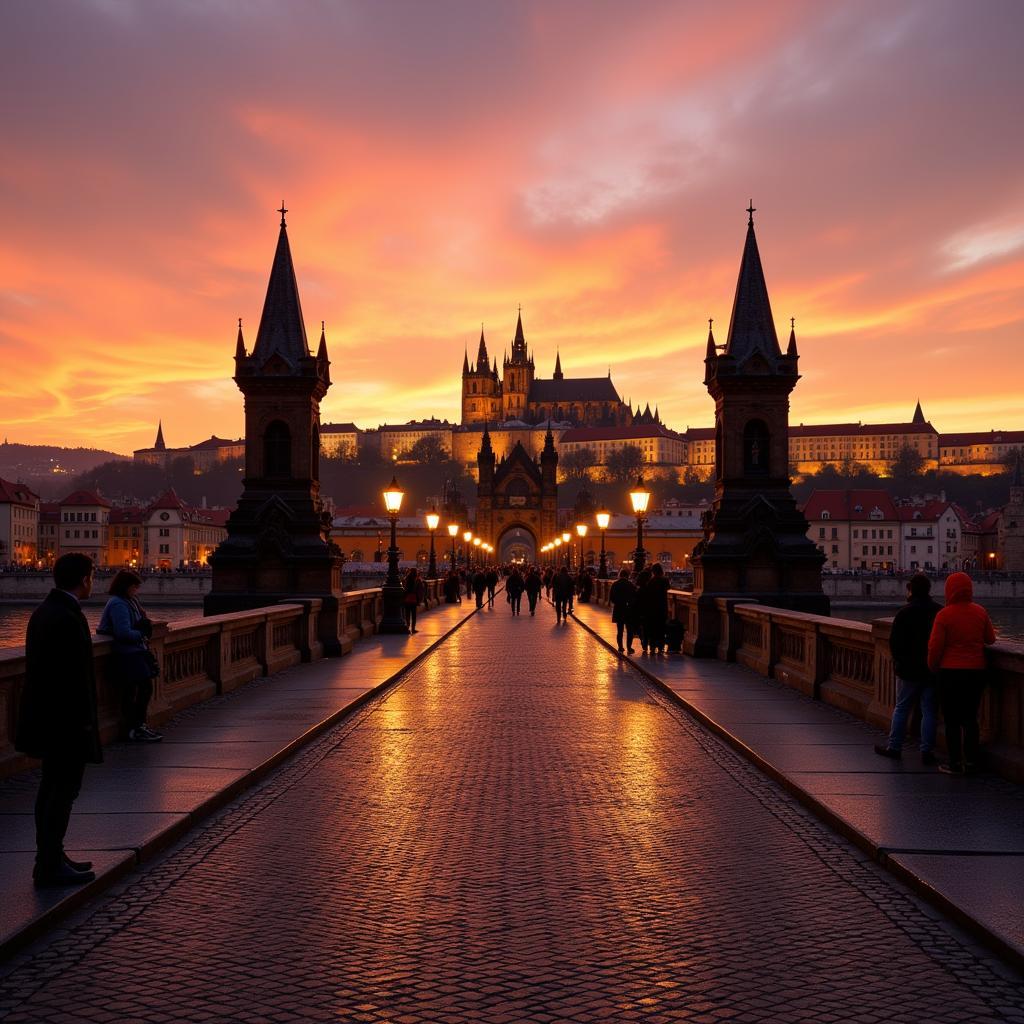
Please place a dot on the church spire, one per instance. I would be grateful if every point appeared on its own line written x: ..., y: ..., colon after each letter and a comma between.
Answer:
x: 709, y: 355
x: 158, y: 444
x: 482, y: 362
x: 323, y: 363
x: 791, y: 347
x: 240, y: 342
x: 485, y: 441
x: 919, y: 414
x: 549, y: 440
x: 751, y: 328
x: 282, y: 331
x: 519, y: 354
x: 465, y: 362
x: 558, y: 365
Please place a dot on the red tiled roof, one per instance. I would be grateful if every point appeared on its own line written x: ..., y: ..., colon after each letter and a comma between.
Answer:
x: 981, y: 437
x: 338, y: 428
x: 858, y: 429
x: 216, y: 442
x: 854, y: 505
x: 617, y: 433
x: 16, y: 494
x: 989, y: 522
x: 929, y: 512
x: 85, y: 498
x: 700, y: 434
x: 212, y: 516
x: 127, y: 514
x: 169, y: 499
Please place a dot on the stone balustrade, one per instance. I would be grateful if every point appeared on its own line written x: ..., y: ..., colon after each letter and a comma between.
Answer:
x: 203, y: 657
x: 847, y: 664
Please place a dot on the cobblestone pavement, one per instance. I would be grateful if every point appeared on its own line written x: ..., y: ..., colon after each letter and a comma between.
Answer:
x: 521, y: 830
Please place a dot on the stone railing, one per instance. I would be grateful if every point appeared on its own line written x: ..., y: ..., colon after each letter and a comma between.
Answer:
x: 202, y: 657
x: 847, y: 664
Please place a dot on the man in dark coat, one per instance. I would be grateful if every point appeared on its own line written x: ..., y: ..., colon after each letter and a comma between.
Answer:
x: 479, y: 586
x: 621, y: 597
x: 533, y: 586
x: 492, y: 585
x: 58, y: 720
x: 563, y: 587
x: 908, y: 643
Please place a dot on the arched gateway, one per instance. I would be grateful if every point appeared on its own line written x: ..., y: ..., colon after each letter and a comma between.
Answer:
x: 517, y: 544
x: 517, y: 499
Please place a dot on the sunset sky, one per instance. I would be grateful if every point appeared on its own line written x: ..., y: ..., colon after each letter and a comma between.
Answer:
x: 443, y: 162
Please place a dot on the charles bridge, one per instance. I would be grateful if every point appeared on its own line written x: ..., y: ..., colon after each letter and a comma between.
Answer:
x: 505, y: 777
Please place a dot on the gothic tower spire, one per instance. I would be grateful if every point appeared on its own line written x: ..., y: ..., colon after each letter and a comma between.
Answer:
x: 751, y: 328
x: 158, y: 444
x: 282, y: 331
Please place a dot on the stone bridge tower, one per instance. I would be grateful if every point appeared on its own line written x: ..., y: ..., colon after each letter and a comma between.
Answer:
x: 755, y: 544
x: 278, y: 544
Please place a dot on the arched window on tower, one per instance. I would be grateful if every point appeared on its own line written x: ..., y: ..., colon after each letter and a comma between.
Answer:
x: 756, y: 441
x: 277, y: 450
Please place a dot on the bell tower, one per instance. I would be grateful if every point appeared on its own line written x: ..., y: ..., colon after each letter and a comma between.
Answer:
x: 755, y: 542
x: 517, y: 376
x: 278, y: 543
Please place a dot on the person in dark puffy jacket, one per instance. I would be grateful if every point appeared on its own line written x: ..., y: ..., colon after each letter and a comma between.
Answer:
x: 956, y: 652
x: 908, y: 643
x: 621, y: 597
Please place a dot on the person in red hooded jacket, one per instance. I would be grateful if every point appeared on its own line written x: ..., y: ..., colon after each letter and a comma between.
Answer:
x: 956, y: 653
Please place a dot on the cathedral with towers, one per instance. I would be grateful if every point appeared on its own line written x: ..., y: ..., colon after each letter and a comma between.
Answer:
x: 519, y: 395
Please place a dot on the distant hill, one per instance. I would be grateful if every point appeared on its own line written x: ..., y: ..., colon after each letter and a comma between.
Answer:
x: 49, y: 469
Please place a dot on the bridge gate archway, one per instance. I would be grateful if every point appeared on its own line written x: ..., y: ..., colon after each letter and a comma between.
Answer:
x: 517, y: 543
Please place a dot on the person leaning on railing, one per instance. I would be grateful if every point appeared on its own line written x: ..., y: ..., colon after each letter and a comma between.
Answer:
x: 956, y: 652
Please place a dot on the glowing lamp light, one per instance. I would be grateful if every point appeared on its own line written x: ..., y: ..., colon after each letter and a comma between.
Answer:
x: 566, y: 537
x: 393, y: 498
x: 467, y: 536
x: 477, y: 542
x: 453, y: 530
x: 603, y: 519
x: 581, y: 530
x: 639, y: 497
x: 433, y: 519
x: 558, y: 542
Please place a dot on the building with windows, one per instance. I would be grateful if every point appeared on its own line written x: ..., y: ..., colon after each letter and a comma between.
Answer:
x: 180, y: 536
x: 19, y: 524
x: 84, y: 520
x: 126, y: 537
x: 855, y: 529
x: 204, y: 455
x: 339, y: 440
x: 395, y: 441
x: 659, y: 446
x: 930, y: 536
x: 48, y: 546
x: 985, y: 452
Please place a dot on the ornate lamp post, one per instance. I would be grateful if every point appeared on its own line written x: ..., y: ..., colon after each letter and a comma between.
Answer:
x: 453, y: 532
x: 391, y: 593
x: 566, y: 538
x: 639, y: 497
x: 432, y: 520
x: 581, y: 532
x: 603, y: 519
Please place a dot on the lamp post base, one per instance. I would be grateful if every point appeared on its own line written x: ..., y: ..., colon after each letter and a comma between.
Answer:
x: 391, y: 611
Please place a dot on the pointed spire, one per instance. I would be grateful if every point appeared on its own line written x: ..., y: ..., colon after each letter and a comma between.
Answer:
x: 919, y: 414
x: 323, y: 362
x: 158, y: 444
x: 240, y: 342
x: 494, y: 371
x: 549, y: 440
x: 482, y: 362
x: 751, y: 328
x: 465, y: 362
x: 711, y: 352
x: 558, y: 365
x: 519, y: 354
x: 657, y: 418
x: 791, y: 347
x: 282, y: 330
x: 485, y: 442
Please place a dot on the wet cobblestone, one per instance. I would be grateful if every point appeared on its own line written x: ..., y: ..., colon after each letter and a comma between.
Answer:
x: 522, y: 830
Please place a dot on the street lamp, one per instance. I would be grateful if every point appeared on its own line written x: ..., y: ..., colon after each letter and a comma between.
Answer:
x: 391, y: 593
x: 639, y: 497
x: 566, y: 537
x: 603, y: 519
x: 476, y: 543
x: 432, y: 520
x: 581, y: 532
x: 453, y: 532
x: 467, y: 537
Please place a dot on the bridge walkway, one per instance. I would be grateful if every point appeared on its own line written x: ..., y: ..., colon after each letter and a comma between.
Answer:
x: 522, y: 828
